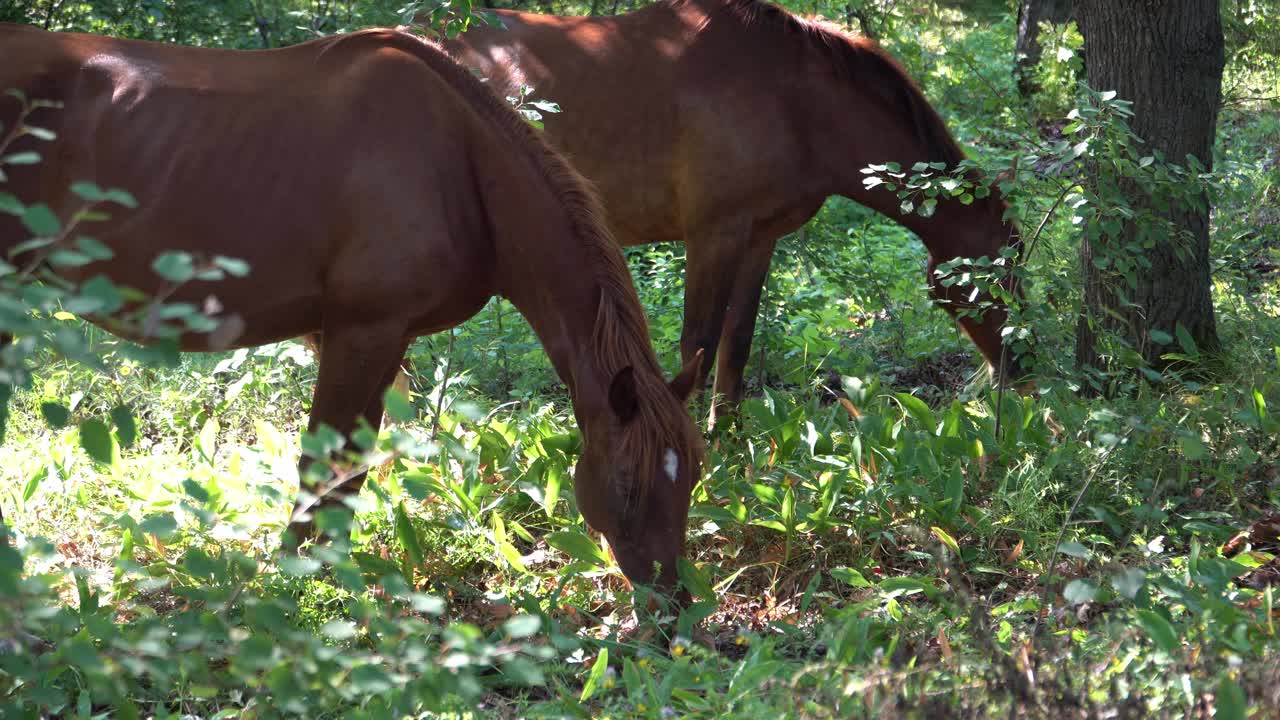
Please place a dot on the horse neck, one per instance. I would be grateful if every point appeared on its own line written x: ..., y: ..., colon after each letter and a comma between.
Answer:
x: 548, y: 277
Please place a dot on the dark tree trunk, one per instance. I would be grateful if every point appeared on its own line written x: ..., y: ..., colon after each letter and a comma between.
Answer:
x: 1167, y: 57
x: 1027, y: 49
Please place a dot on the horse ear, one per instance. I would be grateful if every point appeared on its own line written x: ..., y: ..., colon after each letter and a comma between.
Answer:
x: 682, y: 385
x: 623, y: 398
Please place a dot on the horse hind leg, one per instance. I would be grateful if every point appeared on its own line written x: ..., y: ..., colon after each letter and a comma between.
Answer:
x: 357, y: 363
x: 740, y: 325
x: 713, y: 258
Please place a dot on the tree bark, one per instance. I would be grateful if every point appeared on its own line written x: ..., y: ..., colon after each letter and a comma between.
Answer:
x: 1027, y: 49
x: 1167, y: 57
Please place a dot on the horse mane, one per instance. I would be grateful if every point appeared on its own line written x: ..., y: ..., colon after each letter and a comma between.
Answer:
x: 860, y: 60
x: 620, y: 336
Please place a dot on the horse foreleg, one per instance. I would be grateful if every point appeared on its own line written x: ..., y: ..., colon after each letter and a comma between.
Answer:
x: 740, y: 323
x: 713, y: 259
x: 357, y: 364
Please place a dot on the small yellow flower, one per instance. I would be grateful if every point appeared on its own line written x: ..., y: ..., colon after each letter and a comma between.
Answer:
x: 643, y: 662
x: 640, y: 707
x: 677, y: 650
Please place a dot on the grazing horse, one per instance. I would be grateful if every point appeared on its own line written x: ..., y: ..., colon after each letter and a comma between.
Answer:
x: 378, y: 192
x: 726, y: 124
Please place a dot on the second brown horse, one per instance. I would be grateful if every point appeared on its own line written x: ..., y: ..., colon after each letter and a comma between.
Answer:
x: 726, y: 124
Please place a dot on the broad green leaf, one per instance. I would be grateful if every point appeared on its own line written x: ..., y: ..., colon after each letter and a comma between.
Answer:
x: 1080, y: 591
x: 594, y: 677
x: 849, y: 577
x: 522, y: 626
x: 88, y: 191
x: 298, y: 565
x: 234, y: 267
x: 955, y: 491
x: 1075, y: 549
x: 207, y: 440
x: 398, y: 407
x: 1193, y: 448
x: 1185, y: 341
x: 579, y: 547
x: 1129, y: 582
x: 174, y: 266
x: 918, y: 410
x: 946, y: 539
x: 694, y: 580
x: 55, y: 414
x: 96, y: 440
x: 408, y: 537
x: 21, y: 158
x: 1160, y: 630
x: 1229, y: 701
x: 33, y: 483
x: 40, y: 220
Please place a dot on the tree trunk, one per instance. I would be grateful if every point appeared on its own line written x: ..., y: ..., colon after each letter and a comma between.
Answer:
x: 1027, y: 49
x: 1167, y: 57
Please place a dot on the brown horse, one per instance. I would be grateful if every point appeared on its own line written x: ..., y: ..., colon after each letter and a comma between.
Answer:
x: 378, y: 192
x: 726, y: 124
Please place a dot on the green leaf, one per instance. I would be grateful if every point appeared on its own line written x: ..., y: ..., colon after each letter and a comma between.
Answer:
x: 41, y: 221
x: 94, y: 248
x: 1129, y: 582
x: 522, y: 626
x: 1160, y: 631
x: 1079, y: 591
x: 96, y: 440
x: 1185, y: 341
x: 694, y: 580
x: 579, y: 547
x: 946, y: 539
x: 126, y: 428
x: 88, y: 191
x: 1160, y: 337
x: 33, y: 483
x: 1075, y: 549
x: 954, y: 492
x: 207, y: 440
x: 234, y: 267
x: 1193, y: 448
x: 551, y: 492
x: 1229, y: 701
x: 918, y: 410
x: 21, y: 158
x: 594, y: 677
x: 120, y: 197
x: 298, y: 565
x: 398, y: 407
x: 56, y: 414
x: 174, y: 266
x: 11, y: 205
x: 850, y: 577
x: 408, y: 537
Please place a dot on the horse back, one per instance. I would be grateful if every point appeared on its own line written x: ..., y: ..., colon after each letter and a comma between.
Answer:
x: 322, y: 165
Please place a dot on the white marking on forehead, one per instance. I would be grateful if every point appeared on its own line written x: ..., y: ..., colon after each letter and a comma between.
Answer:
x: 671, y: 464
